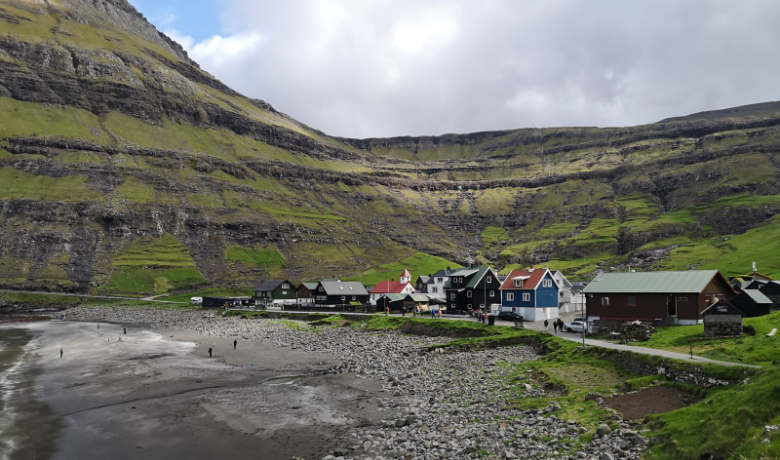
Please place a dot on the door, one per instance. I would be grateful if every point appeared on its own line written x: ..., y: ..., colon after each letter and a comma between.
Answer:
x: 671, y: 305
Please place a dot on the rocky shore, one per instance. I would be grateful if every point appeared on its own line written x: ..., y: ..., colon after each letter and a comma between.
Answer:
x: 444, y: 404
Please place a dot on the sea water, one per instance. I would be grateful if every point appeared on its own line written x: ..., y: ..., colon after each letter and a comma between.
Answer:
x: 14, y: 343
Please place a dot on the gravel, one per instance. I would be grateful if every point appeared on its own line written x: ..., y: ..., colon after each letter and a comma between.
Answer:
x: 444, y: 404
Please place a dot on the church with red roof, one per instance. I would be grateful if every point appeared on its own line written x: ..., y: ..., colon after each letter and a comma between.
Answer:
x: 403, y: 285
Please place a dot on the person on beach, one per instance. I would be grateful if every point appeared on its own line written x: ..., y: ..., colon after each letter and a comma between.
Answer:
x: 61, y: 352
x: 209, y: 352
x: 235, y: 344
x: 125, y: 330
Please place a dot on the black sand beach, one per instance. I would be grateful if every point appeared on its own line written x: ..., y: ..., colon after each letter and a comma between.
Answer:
x: 148, y: 395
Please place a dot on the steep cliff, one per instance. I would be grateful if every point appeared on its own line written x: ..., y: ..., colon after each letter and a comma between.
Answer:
x: 124, y: 167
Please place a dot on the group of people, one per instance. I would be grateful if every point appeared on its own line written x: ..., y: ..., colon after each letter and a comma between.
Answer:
x: 480, y: 315
x: 557, y: 325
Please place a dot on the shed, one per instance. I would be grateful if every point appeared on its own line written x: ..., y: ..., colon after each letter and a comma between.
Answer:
x: 752, y: 302
x: 722, y: 319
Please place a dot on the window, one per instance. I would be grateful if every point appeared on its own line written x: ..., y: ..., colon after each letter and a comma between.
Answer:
x: 453, y: 296
x: 439, y: 280
x: 452, y: 305
x: 514, y: 310
x: 492, y: 293
x: 468, y: 306
x: 489, y: 280
x: 510, y: 296
x: 284, y: 292
x: 354, y: 298
x: 631, y: 301
x: 526, y: 297
x: 285, y: 286
x: 343, y: 298
x: 708, y: 299
x: 468, y: 294
x: 547, y: 283
x: 605, y: 301
x: 434, y: 289
x: 518, y: 283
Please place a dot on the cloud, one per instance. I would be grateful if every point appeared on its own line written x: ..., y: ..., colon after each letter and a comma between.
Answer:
x: 363, y: 68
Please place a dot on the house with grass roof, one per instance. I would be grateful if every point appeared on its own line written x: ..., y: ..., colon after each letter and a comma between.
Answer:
x: 531, y: 292
x: 673, y: 297
x: 470, y: 289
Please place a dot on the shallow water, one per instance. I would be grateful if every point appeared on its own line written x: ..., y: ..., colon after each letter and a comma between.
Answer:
x: 13, y: 344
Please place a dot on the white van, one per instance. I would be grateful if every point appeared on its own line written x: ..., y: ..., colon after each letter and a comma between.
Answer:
x: 196, y: 300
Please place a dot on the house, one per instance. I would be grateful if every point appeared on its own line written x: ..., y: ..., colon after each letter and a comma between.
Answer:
x: 768, y: 286
x: 565, y: 288
x: 471, y: 288
x: 421, y: 284
x: 305, y: 295
x: 676, y: 297
x: 752, y: 302
x: 722, y: 319
x: 340, y: 293
x: 402, y: 286
x: 276, y: 292
x: 436, y: 283
x: 531, y: 292
x: 406, y: 302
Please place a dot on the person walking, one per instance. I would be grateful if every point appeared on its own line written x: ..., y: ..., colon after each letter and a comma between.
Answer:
x: 555, y: 327
x: 235, y: 344
x: 387, y: 310
x: 61, y: 352
x: 210, y: 352
x: 546, y: 324
x: 125, y: 330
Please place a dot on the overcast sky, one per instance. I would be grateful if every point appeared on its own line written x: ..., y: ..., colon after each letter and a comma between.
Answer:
x: 366, y: 68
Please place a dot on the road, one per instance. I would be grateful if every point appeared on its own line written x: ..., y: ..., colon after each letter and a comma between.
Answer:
x: 574, y: 337
x: 110, y: 297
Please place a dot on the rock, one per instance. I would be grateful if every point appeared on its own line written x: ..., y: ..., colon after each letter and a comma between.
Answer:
x: 603, y: 429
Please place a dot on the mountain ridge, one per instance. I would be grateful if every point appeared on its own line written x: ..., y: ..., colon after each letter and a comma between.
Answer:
x: 112, y: 142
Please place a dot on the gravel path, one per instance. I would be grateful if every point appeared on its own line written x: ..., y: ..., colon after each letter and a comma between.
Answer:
x: 445, y: 404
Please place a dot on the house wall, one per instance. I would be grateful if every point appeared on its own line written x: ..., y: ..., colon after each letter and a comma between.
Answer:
x: 518, y: 298
x: 648, y: 306
x: 547, y: 296
x: 289, y: 293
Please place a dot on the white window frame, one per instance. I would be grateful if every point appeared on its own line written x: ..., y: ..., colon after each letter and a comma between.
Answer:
x: 510, y: 296
x: 469, y: 294
x: 605, y: 301
x: 526, y: 297
x: 492, y: 293
x: 518, y: 283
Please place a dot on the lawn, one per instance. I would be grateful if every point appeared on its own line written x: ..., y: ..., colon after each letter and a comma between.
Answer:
x: 758, y: 349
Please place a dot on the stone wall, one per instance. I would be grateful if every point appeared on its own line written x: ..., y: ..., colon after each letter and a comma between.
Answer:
x: 722, y: 325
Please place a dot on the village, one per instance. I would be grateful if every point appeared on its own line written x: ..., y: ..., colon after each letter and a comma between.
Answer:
x: 535, y: 294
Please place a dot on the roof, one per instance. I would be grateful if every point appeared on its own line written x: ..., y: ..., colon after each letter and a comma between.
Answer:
x: 393, y: 297
x: 479, y: 274
x: 425, y: 279
x: 668, y: 282
x: 721, y: 307
x: 344, y: 288
x: 310, y: 285
x: 443, y: 273
x: 530, y: 276
x: 389, y: 286
x: 757, y: 296
x: 265, y: 286
x: 464, y: 272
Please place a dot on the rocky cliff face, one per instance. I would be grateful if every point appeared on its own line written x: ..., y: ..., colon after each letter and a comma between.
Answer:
x: 126, y: 168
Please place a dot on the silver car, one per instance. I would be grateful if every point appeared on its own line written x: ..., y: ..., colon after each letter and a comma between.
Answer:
x: 577, y: 325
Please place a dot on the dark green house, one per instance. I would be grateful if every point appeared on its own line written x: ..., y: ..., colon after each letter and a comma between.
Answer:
x: 276, y: 292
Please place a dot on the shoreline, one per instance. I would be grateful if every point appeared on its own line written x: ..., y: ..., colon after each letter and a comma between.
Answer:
x: 292, y: 390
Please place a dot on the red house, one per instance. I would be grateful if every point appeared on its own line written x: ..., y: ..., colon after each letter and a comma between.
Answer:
x: 672, y: 296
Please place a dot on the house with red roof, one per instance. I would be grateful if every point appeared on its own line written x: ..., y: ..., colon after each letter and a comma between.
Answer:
x: 531, y: 292
x: 401, y: 286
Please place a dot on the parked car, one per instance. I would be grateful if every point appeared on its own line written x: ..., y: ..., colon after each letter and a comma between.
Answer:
x: 196, y: 300
x: 576, y: 325
x: 510, y: 316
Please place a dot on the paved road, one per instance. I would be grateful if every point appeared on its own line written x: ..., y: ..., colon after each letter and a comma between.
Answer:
x: 110, y: 297
x: 574, y: 337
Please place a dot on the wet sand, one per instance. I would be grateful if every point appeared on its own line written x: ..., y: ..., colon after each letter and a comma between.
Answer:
x: 158, y: 395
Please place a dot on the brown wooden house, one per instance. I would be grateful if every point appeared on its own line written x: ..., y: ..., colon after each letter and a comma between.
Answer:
x: 672, y: 296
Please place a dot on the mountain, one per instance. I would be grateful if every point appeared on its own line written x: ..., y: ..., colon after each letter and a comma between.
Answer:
x: 126, y: 168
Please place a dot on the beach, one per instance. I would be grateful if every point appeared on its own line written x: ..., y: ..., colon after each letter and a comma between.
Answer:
x: 287, y: 390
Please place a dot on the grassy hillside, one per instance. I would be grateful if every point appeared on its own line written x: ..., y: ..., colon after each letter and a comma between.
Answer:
x: 117, y: 138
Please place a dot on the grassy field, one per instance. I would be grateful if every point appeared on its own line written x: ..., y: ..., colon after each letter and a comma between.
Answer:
x: 418, y: 263
x: 758, y: 349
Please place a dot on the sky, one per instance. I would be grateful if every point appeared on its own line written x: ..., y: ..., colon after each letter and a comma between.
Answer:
x: 379, y: 68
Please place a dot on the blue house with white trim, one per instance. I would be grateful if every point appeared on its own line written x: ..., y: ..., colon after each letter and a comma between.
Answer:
x: 531, y: 292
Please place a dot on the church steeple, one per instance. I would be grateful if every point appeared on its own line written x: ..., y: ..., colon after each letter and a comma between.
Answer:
x: 406, y: 277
